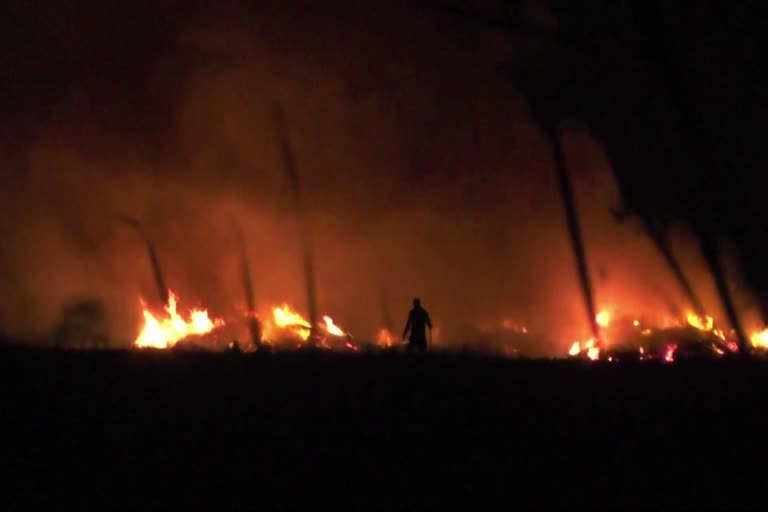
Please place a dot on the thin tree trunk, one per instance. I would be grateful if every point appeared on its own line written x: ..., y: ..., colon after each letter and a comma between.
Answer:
x: 714, y: 259
x: 154, y: 262
x: 158, y: 273
x: 289, y: 161
x: 254, y: 325
x: 574, y: 228
x: 660, y: 240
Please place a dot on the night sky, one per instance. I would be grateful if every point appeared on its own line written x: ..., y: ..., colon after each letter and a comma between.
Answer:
x: 425, y: 171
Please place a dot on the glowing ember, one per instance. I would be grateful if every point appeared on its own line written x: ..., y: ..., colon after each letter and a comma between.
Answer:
x: 670, y: 354
x: 510, y: 325
x: 575, y: 349
x: 166, y: 332
x: 636, y: 323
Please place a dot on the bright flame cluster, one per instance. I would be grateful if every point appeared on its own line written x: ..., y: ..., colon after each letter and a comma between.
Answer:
x: 760, y: 339
x: 589, y: 347
x: 165, y: 332
x: 284, y: 320
x: 706, y: 323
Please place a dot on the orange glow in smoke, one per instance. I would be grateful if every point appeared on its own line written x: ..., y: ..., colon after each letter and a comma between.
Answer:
x: 385, y: 338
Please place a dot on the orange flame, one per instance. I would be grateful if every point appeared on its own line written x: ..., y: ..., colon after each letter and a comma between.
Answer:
x: 331, y: 327
x: 166, y: 332
x: 603, y: 318
x: 385, y: 338
x: 760, y: 339
x: 704, y: 324
x: 670, y: 355
x: 284, y: 318
x: 593, y: 352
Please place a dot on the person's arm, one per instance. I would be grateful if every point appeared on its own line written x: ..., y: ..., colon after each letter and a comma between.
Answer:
x: 408, y: 324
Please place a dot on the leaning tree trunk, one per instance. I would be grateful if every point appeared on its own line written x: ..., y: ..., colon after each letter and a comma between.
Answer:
x: 574, y: 228
x: 714, y: 259
x: 157, y: 271
x: 662, y: 244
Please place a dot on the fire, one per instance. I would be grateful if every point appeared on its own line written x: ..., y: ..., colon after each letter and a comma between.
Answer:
x: 760, y: 339
x: 603, y: 318
x: 592, y: 348
x: 166, y: 332
x: 331, y: 327
x: 385, y: 338
x: 670, y: 355
x: 284, y: 318
x: 706, y: 325
x: 593, y: 352
x: 696, y: 321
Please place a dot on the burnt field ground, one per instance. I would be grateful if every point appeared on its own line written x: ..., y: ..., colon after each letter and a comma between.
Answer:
x: 150, y: 430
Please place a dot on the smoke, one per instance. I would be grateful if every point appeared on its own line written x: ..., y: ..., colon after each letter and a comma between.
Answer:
x: 422, y: 171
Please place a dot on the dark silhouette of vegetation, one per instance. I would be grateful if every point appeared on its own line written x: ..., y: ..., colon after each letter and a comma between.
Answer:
x: 84, y: 324
x: 254, y: 325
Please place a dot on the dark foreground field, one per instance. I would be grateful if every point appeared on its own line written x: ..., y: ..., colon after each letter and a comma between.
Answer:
x: 377, y: 432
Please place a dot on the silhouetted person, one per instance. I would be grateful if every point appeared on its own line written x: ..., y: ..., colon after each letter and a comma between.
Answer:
x: 234, y: 347
x: 418, y: 321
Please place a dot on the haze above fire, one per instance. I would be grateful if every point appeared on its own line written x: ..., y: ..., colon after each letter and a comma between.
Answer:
x: 425, y: 175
